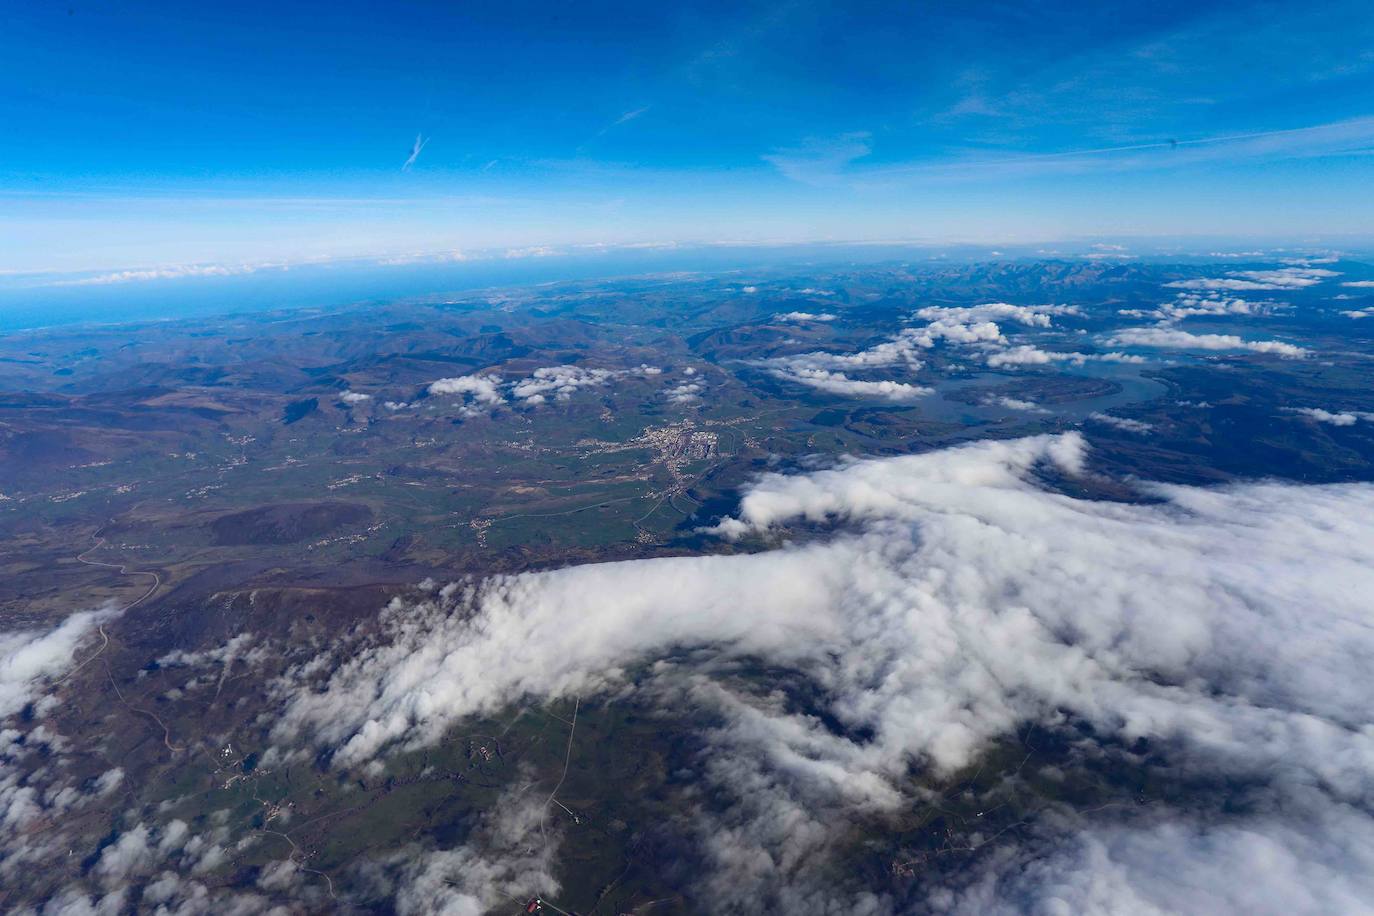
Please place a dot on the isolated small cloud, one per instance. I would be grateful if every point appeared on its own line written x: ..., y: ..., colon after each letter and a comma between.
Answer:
x: 479, y: 389
x: 806, y: 316
x: 838, y: 383
x: 686, y: 393
x: 1333, y: 417
x: 1122, y: 423
x: 1015, y: 404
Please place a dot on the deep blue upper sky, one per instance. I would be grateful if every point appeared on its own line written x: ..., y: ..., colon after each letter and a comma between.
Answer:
x: 152, y: 135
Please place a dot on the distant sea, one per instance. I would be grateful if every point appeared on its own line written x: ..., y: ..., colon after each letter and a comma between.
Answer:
x: 27, y: 305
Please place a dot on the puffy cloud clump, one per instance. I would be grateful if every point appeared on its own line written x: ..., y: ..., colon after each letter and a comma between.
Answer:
x: 481, y: 389
x: 560, y: 382
x: 1035, y: 316
x: 1333, y: 417
x: 970, y: 328
x: 685, y: 393
x: 1190, y: 305
x: 479, y: 393
x: 1020, y: 404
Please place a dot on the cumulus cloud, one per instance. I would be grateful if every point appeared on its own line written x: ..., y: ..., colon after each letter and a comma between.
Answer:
x: 829, y: 371
x: 1170, y: 338
x: 958, y: 332
x: 483, y: 389
x: 1122, y: 423
x: 1335, y: 418
x: 967, y: 327
x: 560, y: 382
x: 1015, y: 404
x: 354, y: 397
x: 480, y: 393
x: 1028, y: 355
x: 1359, y: 284
x: 1367, y: 312
x: 1189, y: 305
x: 686, y: 393
x: 807, y: 316
x: 842, y: 384
x: 1034, y: 316
x: 954, y: 598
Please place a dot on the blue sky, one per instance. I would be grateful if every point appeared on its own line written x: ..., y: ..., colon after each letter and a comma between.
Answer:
x: 153, y: 135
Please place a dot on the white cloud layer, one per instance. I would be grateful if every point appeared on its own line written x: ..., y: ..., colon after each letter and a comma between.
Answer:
x: 1174, y: 339
x: 29, y: 658
x: 955, y: 600
x: 1280, y: 278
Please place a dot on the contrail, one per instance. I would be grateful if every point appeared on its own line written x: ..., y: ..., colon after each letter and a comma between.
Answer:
x: 420, y: 142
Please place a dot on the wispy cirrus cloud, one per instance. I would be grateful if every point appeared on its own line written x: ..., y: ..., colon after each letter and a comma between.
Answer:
x: 821, y: 162
x: 839, y: 161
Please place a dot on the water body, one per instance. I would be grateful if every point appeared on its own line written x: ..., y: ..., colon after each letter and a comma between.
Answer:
x: 1135, y: 388
x: 37, y: 302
